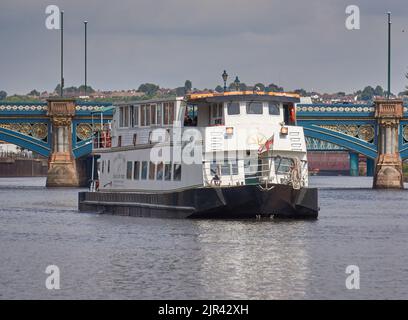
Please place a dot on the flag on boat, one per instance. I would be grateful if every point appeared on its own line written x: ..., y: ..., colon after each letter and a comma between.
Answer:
x: 266, y: 146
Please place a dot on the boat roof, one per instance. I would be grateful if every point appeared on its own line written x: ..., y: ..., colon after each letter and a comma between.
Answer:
x: 158, y: 100
x: 243, y: 96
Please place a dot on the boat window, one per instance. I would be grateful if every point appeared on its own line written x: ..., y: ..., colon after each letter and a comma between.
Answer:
x: 126, y: 112
x: 159, y: 175
x: 233, y: 108
x: 129, y: 168
x: 273, y: 109
x: 167, y: 171
x: 131, y: 116
x: 250, y: 167
x: 136, y: 116
x: 225, y: 168
x: 120, y: 116
x: 147, y: 115
x: 142, y: 115
x: 136, y: 172
x: 254, y: 107
x: 103, y: 166
x: 168, y: 113
x: 144, y: 170
x: 108, y: 166
x: 190, y: 116
x: 171, y: 112
x: 135, y: 139
x: 214, y: 168
x: 124, y: 117
x: 216, y: 114
x: 234, y: 167
x: 217, y: 110
x: 159, y: 114
x: 283, y: 165
x: 153, y: 114
x: 152, y: 169
x: 119, y: 141
x: 177, y: 172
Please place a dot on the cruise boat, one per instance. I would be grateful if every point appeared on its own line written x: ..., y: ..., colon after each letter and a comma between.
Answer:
x: 231, y: 155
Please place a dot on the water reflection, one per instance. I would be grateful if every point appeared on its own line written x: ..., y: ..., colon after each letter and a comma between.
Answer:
x: 102, y: 256
x: 263, y: 260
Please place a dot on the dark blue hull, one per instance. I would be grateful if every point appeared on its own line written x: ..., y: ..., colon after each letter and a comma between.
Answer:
x: 240, y: 202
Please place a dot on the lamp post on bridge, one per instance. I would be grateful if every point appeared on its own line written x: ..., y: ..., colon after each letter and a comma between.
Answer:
x: 224, y: 78
x: 85, y: 26
x: 389, y: 56
x: 62, y: 53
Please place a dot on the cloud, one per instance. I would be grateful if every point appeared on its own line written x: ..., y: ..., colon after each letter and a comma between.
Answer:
x: 292, y: 43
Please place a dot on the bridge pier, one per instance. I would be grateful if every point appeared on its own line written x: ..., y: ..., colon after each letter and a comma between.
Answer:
x: 62, y: 167
x: 388, y: 167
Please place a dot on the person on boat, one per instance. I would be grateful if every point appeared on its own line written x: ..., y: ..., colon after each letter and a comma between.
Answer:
x: 216, y: 180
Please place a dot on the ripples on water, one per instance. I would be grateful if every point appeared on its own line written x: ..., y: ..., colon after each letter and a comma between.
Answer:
x: 103, y: 256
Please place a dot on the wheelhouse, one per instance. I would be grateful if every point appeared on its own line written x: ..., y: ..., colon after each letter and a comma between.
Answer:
x: 236, y: 108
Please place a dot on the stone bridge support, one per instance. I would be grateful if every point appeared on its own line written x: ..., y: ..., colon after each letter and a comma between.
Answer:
x: 62, y: 166
x: 388, y: 167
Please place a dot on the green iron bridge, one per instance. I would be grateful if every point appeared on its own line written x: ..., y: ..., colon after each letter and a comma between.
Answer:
x: 328, y: 127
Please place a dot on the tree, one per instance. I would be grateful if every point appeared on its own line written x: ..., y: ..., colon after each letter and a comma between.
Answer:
x: 180, y: 91
x: 3, y: 95
x: 367, y: 94
x: 219, y: 89
x: 89, y: 89
x: 379, y: 91
x: 187, y: 86
x: 259, y: 86
x: 34, y: 93
x: 301, y: 92
x: 148, y: 88
x: 273, y: 88
x: 341, y: 93
x: 243, y: 87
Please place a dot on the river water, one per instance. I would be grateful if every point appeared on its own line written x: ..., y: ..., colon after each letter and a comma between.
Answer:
x: 101, y: 256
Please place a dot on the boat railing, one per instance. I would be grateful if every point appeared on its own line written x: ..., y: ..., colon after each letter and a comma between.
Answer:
x: 262, y: 172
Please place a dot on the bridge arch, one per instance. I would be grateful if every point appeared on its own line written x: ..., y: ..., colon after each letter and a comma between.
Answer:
x: 341, y: 139
x: 25, y: 142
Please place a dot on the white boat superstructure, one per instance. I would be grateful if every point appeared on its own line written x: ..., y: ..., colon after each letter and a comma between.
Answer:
x: 222, y: 141
x: 237, y: 142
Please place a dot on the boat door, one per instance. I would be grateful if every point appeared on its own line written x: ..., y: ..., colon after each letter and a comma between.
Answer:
x: 216, y: 114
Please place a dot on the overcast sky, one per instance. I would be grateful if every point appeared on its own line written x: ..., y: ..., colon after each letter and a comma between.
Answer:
x: 293, y: 43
